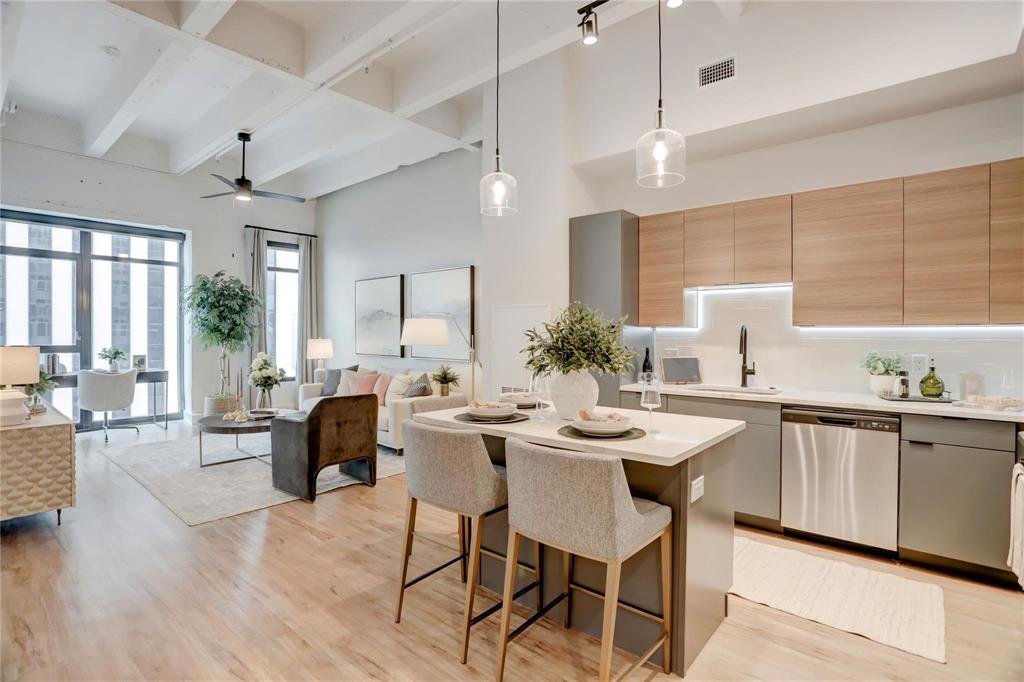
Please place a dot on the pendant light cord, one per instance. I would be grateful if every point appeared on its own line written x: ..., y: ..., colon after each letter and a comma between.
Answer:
x: 497, y: 75
x: 659, y: 54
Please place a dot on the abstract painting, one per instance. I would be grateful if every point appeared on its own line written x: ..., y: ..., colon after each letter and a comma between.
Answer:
x: 379, y: 316
x: 446, y: 294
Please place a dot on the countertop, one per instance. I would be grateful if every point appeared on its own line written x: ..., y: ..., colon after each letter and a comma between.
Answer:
x: 839, y: 400
x: 678, y: 437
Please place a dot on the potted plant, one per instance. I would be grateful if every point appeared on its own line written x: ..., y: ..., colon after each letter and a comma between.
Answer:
x: 445, y: 376
x: 882, y: 370
x: 36, y: 391
x: 578, y: 342
x: 112, y: 355
x: 266, y: 376
x: 224, y: 312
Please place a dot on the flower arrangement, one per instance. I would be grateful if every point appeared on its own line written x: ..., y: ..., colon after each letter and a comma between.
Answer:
x: 112, y: 354
x: 578, y: 340
x: 264, y: 375
x: 882, y: 365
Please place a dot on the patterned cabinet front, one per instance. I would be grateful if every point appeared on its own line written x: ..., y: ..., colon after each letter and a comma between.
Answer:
x: 37, y: 470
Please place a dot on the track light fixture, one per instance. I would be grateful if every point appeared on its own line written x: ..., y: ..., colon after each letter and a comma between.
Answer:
x: 588, y: 24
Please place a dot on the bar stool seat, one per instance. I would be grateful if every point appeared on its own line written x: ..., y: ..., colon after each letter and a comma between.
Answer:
x: 451, y: 470
x: 580, y: 503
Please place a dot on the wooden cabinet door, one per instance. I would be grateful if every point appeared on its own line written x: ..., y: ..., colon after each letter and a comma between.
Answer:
x: 708, y: 246
x: 764, y: 240
x: 661, y: 270
x: 946, y: 247
x: 848, y: 255
x: 1007, y: 242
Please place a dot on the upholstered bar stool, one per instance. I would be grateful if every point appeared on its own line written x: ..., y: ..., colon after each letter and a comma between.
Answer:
x: 580, y: 503
x: 451, y: 470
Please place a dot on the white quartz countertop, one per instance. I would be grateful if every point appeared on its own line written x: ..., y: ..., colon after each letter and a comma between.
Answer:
x: 839, y: 400
x: 678, y: 437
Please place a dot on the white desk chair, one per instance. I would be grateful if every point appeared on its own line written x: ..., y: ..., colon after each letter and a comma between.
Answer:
x: 105, y: 392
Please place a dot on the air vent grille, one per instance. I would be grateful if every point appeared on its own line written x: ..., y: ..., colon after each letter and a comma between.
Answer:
x: 716, y: 72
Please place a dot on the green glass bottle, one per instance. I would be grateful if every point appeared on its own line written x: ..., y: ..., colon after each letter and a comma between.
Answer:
x: 931, y: 384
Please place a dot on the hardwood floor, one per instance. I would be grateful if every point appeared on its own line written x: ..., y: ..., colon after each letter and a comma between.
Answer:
x: 125, y: 590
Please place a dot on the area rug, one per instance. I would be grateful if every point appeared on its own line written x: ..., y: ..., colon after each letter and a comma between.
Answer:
x: 901, y: 613
x: 170, y: 471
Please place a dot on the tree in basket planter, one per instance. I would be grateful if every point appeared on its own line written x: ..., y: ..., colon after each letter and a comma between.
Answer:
x: 224, y: 312
x: 577, y: 342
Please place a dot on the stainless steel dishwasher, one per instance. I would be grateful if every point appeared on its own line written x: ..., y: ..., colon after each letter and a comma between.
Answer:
x: 840, y: 475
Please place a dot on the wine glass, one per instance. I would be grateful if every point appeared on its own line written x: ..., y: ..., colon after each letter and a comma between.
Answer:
x: 539, y: 387
x: 650, y: 395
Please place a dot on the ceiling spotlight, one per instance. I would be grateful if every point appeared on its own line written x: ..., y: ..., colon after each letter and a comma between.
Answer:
x: 589, y: 26
x: 672, y: 4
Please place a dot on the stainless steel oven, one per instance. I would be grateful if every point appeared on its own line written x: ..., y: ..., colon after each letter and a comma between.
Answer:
x: 840, y: 475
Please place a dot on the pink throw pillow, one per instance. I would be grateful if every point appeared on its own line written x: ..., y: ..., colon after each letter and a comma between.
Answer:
x: 380, y: 387
x: 362, y: 384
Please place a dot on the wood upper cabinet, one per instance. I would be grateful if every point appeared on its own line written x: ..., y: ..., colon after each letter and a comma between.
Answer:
x: 946, y: 247
x: 764, y: 240
x: 708, y: 250
x: 661, y: 270
x: 1007, y: 242
x: 848, y: 255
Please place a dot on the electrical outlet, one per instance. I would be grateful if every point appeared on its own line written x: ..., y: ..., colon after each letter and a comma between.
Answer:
x: 919, y: 363
x: 696, y: 489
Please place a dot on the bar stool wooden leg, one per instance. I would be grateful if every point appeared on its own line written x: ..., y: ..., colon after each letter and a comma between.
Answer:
x: 566, y: 589
x: 462, y: 547
x: 410, y: 526
x: 511, y: 563
x: 611, y: 603
x: 666, y: 596
x: 475, y: 538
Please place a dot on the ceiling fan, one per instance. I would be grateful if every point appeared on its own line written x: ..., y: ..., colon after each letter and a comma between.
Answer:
x: 242, y: 189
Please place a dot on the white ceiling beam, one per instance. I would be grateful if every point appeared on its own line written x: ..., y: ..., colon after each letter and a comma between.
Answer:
x: 730, y: 9
x: 10, y: 17
x: 142, y: 73
x: 198, y: 17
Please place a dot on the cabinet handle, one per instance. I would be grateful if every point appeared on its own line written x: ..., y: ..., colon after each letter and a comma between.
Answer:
x: 920, y: 442
x: 963, y: 419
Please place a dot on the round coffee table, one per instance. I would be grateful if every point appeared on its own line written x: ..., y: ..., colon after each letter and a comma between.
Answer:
x: 215, y: 424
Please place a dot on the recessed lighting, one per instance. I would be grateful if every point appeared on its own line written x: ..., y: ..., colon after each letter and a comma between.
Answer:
x: 111, y: 51
x: 672, y: 4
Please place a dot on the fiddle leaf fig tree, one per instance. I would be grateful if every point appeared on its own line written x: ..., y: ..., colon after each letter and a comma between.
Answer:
x: 224, y: 312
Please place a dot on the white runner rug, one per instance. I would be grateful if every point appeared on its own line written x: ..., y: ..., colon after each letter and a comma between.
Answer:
x: 901, y: 613
x: 170, y: 471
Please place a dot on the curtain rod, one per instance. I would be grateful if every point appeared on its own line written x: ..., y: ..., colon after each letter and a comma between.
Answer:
x: 271, y: 229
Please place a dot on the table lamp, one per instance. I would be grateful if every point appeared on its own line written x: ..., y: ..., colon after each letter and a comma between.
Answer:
x: 19, y: 366
x: 319, y: 350
x: 433, y: 331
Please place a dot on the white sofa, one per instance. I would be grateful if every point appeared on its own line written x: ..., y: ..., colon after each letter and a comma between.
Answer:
x: 390, y: 416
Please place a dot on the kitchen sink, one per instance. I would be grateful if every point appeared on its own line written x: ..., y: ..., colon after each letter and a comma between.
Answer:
x: 755, y: 390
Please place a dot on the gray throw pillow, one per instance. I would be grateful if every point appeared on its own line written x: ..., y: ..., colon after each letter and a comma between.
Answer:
x: 330, y: 386
x: 419, y: 388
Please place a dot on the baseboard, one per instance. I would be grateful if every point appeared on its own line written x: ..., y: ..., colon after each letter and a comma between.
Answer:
x: 964, y: 569
x: 759, y: 522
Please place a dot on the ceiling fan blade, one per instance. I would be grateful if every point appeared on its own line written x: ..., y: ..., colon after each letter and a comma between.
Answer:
x: 275, y: 195
x: 222, y: 194
x: 229, y: 183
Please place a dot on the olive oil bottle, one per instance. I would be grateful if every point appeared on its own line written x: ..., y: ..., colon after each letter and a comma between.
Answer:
x: 931, y: 385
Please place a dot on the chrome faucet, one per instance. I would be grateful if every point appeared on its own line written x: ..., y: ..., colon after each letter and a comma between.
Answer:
x: 744, y: 370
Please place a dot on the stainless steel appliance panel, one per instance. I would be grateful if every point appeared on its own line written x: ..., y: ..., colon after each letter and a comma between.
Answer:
x: 840, y: 476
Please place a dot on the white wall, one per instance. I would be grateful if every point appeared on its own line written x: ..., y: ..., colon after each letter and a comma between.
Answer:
x: 39, y: 179
x: 421, y: 217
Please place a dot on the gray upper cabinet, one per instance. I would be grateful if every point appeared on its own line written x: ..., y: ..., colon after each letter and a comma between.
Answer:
x: 604, y: 263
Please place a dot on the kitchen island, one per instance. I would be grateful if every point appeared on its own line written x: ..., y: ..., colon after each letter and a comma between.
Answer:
x: 687, y: 465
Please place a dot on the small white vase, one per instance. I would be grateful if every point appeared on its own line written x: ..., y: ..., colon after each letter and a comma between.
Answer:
x: 881, y: 384
x: 112, y: 366
x: 573, y: 392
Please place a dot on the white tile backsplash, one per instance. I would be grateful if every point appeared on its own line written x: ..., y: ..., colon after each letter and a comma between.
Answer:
x: 828, y: 358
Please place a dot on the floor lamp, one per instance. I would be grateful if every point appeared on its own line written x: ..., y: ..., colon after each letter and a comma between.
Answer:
x: 433, y: 331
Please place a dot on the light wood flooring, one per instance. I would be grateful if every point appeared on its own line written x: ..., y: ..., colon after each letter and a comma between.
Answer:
x: 125, y: 590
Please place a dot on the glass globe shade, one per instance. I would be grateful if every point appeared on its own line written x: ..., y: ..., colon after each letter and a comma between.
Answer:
x: 660, y: 158
x: 498, y: 192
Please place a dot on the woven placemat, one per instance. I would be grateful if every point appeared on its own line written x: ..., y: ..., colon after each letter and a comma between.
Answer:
x: 470, y: 419
x: 570, y: 431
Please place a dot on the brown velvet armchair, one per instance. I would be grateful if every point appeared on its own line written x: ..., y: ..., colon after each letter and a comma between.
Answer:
x: 340, y: 430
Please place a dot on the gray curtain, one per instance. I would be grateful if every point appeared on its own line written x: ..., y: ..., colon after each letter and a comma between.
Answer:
x: 309, y: 306
x: 257, y: 243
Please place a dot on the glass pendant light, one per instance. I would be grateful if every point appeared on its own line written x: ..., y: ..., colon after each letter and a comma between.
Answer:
x: 660, y: 153
x: 497, y: 189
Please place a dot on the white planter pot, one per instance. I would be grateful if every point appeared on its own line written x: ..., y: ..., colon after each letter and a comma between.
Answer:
x: 112, y: 366
x: 881, y: 383
x: 573, y: 392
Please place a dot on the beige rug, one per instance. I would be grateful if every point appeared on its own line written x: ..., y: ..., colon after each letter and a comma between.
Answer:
x: 170, y: 471
x: 901, y: 613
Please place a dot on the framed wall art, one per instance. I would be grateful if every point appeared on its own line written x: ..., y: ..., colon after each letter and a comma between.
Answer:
x: 378, y: 315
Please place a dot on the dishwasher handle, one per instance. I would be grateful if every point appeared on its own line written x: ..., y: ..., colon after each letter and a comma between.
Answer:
x: 846, y: 420
x: 837, y: 421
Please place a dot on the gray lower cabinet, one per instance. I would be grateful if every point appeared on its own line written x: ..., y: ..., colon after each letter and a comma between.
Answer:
x: 758, y: 455
x: 628, y: 400
x: 955, y: 496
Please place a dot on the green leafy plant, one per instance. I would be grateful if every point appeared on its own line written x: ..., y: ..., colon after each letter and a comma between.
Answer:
x: 224, y: 312
x: 580, y: 339
x: 112, y: 353
x: 263, y: 373
x: 877, y: 364
x: 445, y: 375
x: 37, y: 390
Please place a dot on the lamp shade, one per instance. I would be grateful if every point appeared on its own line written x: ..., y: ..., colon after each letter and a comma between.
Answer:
x: 425, y: 331
x: 319, y: 349
x: 19, y: 365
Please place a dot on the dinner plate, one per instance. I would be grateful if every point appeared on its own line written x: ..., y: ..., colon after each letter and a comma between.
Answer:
x: 603, y: 428
x: 504, y: 412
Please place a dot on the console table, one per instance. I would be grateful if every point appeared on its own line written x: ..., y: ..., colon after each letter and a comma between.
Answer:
x: 148, y: 376
x: 37, y: 465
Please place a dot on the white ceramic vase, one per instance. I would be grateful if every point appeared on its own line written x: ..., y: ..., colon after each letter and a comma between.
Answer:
x: 573, y: 392
x: 112, y: 366
x: 881, y: 384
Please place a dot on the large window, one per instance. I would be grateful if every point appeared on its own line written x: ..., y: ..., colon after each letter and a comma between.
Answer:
x: 283, y: 305
x: 73, y: 287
